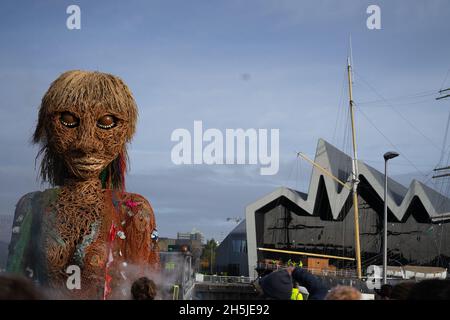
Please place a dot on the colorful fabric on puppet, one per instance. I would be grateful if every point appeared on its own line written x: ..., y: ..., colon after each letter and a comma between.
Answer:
x: 89, y: 223
x: 113, y: 255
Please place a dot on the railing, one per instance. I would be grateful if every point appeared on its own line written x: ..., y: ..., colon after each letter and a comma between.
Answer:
x: 188, y: 291
x: 333, y: 273
x: 344, y: 273
x: 226, y: 279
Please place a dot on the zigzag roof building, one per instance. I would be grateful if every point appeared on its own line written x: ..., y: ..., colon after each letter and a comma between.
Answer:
x: 321, y: 221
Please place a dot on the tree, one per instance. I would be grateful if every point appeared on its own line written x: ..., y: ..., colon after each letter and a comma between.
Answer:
x: 208, y: 258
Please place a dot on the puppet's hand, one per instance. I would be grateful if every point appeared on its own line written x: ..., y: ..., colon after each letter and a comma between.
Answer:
x: 142, y: 242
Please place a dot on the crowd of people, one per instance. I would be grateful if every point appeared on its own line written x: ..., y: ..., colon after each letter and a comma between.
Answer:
x: 292, y: 283
x: 288, y: 283
x: 14, y: 287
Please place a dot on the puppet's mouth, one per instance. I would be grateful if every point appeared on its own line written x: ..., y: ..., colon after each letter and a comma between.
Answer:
x: 88, y: 164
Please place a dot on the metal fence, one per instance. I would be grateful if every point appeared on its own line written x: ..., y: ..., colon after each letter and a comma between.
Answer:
x: 226, y: 279
x: 344, y: 273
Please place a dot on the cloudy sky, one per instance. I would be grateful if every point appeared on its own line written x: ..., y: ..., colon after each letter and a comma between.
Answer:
x: 232, y: 64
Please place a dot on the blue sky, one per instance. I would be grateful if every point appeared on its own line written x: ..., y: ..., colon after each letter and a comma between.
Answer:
x: 232, y: 64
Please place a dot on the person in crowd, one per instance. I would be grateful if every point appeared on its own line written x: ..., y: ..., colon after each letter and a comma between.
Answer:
x: 143, y: 289
x: 433, y: 289
x: 278, y: 285
x: 343, y: 293
x: 384, y: 293
x: 14, y: 287
x: 401, y: 290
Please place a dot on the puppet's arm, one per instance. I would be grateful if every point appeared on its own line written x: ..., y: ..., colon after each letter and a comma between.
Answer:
x: 142, y: 240
x: 21, y: 235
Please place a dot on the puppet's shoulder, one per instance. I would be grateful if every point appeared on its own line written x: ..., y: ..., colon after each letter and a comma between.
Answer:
x: 21, y: 231
x: 131, y: 202
x: 24, y: 211
x: 29, y: 205
x: 137, y: 213
x: 35, y: 199
x: 133, y: 205
x: 25, y: 203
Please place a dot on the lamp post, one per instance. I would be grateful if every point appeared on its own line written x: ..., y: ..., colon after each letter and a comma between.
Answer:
x: 211, y: 254
x: 387, y: 156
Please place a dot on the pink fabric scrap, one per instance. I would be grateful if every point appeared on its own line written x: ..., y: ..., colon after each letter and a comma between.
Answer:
x: 131, y: 204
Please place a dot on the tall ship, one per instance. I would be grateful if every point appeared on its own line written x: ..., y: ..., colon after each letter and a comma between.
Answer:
x: 337, y: 229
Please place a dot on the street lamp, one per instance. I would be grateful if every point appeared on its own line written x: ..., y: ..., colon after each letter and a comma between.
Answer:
x: 387, y: 156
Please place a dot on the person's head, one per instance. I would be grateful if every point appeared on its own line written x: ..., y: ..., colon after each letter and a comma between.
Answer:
x: 401, y: 290
x: 277, y: 285
x: 14, y: 287
x: 343, y: 293
x: 432, y: 289
x: 143, y: 289
x: 85, y: 120
x: 384, y: 292
x: 263, y: 272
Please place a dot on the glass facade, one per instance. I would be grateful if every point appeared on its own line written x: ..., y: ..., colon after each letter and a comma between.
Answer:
x: 239, y: 246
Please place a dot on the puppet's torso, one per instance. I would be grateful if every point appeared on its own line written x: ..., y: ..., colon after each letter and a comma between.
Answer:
x: 109, y: 235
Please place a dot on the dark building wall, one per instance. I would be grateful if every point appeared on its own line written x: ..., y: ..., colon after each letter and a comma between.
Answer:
x: 231, y: 255
x: 412, y: 241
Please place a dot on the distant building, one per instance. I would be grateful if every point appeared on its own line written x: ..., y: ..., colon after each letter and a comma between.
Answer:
x: 322, y: 220
x: 193, y: 235
x: 189, y: 242
x: 178, y: 274
x: 231, y: 255
x: 165, y: 243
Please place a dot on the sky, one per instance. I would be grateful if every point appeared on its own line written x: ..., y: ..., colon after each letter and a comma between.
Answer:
x: 273, y: 64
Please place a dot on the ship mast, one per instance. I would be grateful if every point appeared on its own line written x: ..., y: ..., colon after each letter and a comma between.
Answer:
x: 355, y: 174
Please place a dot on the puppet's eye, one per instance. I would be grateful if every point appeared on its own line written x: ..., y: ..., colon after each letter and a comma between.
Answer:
x: 69, y: 120
x: 106, y: 122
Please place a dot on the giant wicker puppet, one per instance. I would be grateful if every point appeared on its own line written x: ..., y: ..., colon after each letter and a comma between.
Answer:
x: 87, y: 222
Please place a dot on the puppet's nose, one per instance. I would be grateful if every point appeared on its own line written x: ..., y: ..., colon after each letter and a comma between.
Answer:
x: 87, y: 142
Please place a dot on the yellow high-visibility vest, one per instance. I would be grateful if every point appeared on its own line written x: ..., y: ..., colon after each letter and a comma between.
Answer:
x: 296, y: 295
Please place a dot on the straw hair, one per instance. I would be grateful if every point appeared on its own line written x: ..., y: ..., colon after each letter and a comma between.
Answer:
x: 343, y: 293
x: 83, y: 90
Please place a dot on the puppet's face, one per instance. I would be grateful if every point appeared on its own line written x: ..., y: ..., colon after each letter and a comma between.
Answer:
x: 88, y: 139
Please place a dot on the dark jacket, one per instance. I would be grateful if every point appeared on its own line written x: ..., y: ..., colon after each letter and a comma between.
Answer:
x: 277, y: 285
x: 317, y: 290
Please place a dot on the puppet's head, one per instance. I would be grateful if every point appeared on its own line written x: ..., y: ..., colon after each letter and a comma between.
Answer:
x: 85, y: 120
